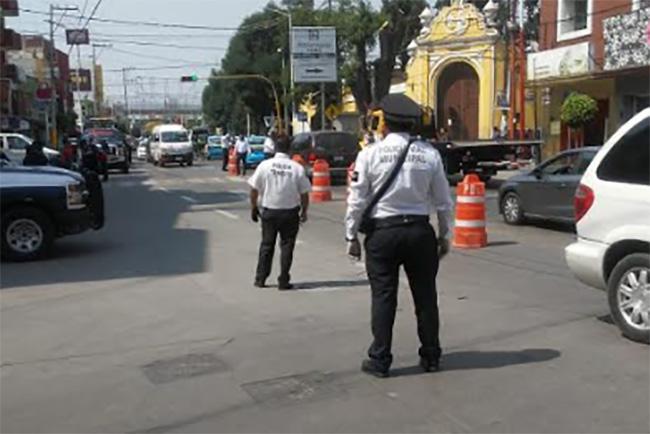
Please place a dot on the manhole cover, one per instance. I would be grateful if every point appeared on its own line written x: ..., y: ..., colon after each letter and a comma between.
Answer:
x: 302, y: 387
x: 190, y: 365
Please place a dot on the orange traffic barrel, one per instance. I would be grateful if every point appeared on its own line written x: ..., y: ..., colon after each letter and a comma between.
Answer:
x: 233, y: 164
x: 321, y: 189
x: 298, y: 159
x: 469, y: 230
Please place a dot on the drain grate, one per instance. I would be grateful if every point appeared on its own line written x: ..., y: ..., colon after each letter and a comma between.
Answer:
x: 310, y: 386
x: 190, y: 365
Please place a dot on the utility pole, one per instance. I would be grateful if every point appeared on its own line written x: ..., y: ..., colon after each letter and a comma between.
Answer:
x: 81, y: 108
x: 126, y: 96
x: 322, y: 105
x: 52, y: 133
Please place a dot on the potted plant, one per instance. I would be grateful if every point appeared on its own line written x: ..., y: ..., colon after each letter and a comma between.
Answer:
x: 577, y: 111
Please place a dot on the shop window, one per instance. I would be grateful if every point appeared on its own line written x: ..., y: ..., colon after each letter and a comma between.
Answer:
x: 574, y: 19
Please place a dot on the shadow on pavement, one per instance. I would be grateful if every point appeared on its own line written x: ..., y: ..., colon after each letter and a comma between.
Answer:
x: 501, y: 243
x: 551, y: 225
x: 307, y: 286
x: 144, y: 237
x: 464, y: 360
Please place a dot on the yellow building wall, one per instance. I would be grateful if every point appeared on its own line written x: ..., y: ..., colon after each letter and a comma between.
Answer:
x: 470, y: 42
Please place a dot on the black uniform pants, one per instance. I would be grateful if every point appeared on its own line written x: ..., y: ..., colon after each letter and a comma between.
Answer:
x: 224, y: 163
x: 284, y: 222
x: 241, y: 159
x: 414, y: 246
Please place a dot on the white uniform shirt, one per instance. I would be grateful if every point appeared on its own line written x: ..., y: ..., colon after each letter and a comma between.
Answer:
x: 225, y: 141
x: 269, y: 146
x: 420, y: 187
x: 280, y: 182
x: 242, y: 146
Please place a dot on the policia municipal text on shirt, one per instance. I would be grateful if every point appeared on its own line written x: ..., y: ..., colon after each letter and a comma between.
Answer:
x: 397, y: 183
x: 280, y: 196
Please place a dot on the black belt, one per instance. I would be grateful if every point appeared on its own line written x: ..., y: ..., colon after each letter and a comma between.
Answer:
x: 399, y: 220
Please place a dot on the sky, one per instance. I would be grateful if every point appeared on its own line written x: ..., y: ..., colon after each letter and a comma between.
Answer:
x: 199, y: 49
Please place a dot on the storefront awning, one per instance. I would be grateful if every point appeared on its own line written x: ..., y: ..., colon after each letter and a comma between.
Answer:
x: 596, y: 75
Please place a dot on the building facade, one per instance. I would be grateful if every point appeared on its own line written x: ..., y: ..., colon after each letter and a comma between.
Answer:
x: 457, y: 71
x: 595, y: 47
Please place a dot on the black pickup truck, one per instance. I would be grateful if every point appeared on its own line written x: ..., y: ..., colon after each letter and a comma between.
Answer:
x: 40, y: 204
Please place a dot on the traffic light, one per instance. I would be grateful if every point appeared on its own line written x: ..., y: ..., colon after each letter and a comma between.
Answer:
x: 188, y: 78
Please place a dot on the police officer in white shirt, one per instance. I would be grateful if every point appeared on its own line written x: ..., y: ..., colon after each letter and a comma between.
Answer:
x: 269, y: 146
x: 400, y: 233
x: 242, y: 147
x: 281, y: 187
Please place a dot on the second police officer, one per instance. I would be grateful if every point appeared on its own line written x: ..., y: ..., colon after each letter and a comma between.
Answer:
x: 397, y: 183
x: 281, y: 187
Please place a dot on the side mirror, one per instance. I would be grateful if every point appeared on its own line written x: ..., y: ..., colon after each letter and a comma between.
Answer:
x: 537, y: 173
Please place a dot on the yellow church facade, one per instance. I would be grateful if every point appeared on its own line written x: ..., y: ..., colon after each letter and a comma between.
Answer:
x: 457, y: 70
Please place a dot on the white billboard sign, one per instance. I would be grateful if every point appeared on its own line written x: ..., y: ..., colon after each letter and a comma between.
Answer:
x: 560, y: 62
x: 313, y: 51
x: 313, y: 40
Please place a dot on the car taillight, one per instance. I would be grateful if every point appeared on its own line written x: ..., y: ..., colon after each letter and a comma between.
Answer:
x: 311, y: 158
x: 582, y: 201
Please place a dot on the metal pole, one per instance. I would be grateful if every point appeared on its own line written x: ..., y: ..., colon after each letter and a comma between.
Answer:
x: 81, y: 110
x: 322, y: 105
x: 126, y: 96
x: 52, y: 133
x: 293, y: 95
x: 94, y: 82
x: 284, y: 91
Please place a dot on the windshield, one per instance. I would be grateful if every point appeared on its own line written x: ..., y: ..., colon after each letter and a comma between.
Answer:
x: 174, y: 136
x: 214, y: 140
x: 336, y: 142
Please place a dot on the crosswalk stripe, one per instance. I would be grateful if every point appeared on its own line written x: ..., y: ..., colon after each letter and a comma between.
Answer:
x: 227, y: 214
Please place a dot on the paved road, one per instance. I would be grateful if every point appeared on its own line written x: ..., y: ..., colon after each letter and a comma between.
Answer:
x: 153, y: 325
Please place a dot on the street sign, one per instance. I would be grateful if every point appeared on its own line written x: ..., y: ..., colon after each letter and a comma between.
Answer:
x: 313, y: 51
x: 313, y: 40
x: 314, y: 69
x: 80, y: 79
x: 77, y: 37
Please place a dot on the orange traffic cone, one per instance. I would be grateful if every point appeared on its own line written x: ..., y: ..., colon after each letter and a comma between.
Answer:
x: 233, y: 169
x: 321, y: 189
x: 469, y: 230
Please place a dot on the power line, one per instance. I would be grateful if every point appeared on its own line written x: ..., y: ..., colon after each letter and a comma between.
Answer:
x: 157, y: 44
x: 163, y: 67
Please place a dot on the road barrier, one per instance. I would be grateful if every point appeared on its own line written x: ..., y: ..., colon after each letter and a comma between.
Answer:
x: 470, y: 231
x: 233, y: 164
x: 321, y: 189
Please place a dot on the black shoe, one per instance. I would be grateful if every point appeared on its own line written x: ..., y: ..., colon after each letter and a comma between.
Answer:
x: 429, y: 365
x: 371, y: 367
x: 260, y: 284
x: 285, y: 286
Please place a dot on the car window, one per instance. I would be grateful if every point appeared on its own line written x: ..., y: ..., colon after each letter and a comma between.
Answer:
x: 629, y: 160
x: 585, y: 160
x: 16, y: 143
x: 174, y: 136
x: 566, y: 164
x: 336, y: 142
x: 301, y: 142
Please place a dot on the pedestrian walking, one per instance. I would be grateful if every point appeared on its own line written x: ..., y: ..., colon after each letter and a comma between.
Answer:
x: 269, y: 146
x: 225, y: 148
x: 34, y: 155
x: 395, y: 186
x: 242, y: 147
x: 280, y: 197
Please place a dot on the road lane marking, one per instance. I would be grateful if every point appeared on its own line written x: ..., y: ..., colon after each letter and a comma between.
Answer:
x: 163, y: 189
x: 189, y: 199
x: 300, y: 242
x: 227, y: 214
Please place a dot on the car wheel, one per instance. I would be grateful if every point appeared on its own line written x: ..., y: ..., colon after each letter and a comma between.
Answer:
x: 190, y: 162
x: 511, y: 209
x: 125, y: 169
x: 27, y: 234
x: 629, y: 296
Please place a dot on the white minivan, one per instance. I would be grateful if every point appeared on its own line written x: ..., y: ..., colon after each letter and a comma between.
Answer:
x: 612, y: 207
x: 170, y: 143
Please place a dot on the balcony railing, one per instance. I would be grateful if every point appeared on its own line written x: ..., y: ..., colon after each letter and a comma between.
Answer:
x: 626, y: 40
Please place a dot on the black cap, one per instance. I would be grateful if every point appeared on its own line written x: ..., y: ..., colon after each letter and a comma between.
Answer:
x: 400, y: 108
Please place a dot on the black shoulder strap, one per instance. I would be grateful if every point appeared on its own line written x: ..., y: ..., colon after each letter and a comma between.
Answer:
x: 391, y: 178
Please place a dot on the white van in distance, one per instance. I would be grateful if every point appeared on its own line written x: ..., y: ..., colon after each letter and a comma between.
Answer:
x: 170, y: 143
